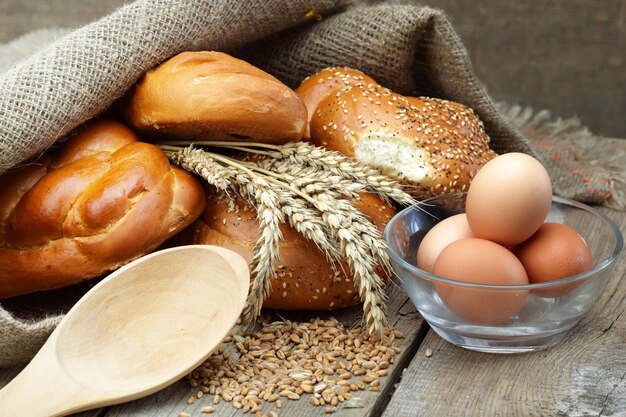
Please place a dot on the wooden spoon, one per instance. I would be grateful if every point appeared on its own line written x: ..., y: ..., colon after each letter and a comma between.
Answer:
x: 140, y: 329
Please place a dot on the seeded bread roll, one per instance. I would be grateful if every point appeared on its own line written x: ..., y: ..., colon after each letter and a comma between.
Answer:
x: 328, y: 80
x: 100, y: 201
x: 213, y: 96
x: 305, y: 280
x: 431, y: 146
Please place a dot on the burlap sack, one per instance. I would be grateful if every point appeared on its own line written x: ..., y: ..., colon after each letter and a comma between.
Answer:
x: 411, y: 49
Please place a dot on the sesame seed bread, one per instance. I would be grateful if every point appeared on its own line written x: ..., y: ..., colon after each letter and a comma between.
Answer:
x: 99, y: 201
x: 431, y: 146
x: 304, y: 278
x: 328, y: 80
x: 210, y: 95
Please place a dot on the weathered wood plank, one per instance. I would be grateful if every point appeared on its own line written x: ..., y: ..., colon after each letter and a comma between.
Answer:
x: 173, y: 400
x: 583, y: 375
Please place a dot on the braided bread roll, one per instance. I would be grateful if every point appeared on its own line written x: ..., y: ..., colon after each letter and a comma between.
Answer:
x: 97, y: 203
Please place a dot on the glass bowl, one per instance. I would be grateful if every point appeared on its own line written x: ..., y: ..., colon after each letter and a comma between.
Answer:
x: 547, y: 311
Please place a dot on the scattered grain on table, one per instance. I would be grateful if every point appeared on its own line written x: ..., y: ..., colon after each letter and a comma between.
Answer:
x: 320, y: 360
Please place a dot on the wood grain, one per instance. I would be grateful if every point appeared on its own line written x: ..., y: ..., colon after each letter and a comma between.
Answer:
x: 7, y: 374
x: 582, y: 375
x: 147, y: 324
x: 173, y: 400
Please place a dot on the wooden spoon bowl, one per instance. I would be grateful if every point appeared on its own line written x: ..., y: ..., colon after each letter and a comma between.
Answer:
x: 138, y: 330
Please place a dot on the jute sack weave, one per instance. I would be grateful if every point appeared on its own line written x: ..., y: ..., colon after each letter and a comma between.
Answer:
x: 56, y: 87
x: 81, y: 74
x: 411, y: 50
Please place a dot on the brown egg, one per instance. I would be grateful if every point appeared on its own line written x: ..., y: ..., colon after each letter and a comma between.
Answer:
x: 509, y: 199
x: 554, y: 252
x: 441, y: 235
x: 480, y: 261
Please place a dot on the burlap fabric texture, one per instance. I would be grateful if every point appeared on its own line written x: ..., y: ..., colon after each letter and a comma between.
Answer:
x: 56, y: 87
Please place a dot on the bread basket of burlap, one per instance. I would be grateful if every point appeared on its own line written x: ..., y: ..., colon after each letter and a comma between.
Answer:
x: 53, y: 81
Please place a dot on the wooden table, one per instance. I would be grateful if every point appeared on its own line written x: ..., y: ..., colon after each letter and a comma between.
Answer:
x: 583, y: 375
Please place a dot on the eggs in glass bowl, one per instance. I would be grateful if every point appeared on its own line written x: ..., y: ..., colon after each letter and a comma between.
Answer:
x: 505, y: 267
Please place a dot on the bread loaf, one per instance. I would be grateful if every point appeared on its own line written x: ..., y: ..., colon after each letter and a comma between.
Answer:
x: 213, y: 96
x: 431, y: 146
x: 98, y: 202
x: 328, y: 80
x: 305, y: 279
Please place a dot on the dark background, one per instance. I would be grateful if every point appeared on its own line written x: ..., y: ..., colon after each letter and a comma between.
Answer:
x: 567, y: 56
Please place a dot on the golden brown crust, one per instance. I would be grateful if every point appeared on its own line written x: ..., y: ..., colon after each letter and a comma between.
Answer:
x: 101, y: 201
x: 213, y: 96
x: 430, y: 145
x: 305, y: 280
x: 325, y: 82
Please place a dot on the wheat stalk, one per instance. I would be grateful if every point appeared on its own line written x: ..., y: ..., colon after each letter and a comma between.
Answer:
x: 306, y: 154
x: 314, y: 194
x: 312, y: 180
x: 309, y: 223
x: 233, y: 176
x: 343, y: 220
x: 356, y: 234
x: 196, y: 161
x: 259, y: 192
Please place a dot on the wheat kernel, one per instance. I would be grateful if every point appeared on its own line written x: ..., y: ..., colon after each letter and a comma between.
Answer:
x: 293, y: 396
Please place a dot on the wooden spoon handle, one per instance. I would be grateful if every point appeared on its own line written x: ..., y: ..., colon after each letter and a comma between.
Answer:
x: 41, y: 390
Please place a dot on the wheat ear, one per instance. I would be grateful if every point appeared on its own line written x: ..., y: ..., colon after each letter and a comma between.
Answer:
x: 315, y: 199
x: 234, y: 176
x: 303, y: 153
x: 306, y: 154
